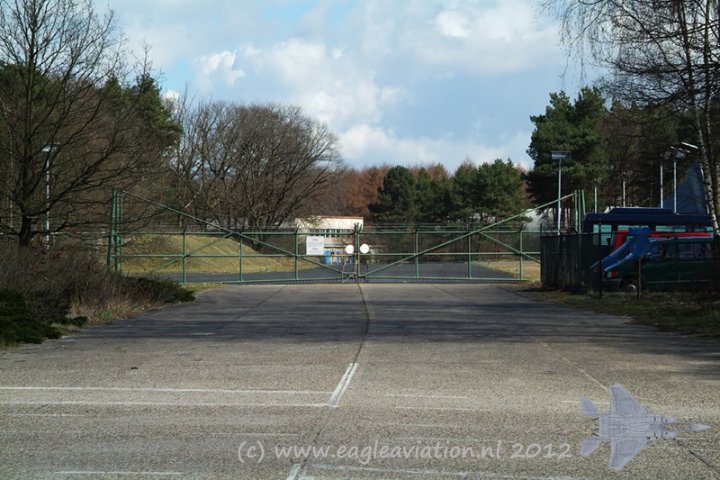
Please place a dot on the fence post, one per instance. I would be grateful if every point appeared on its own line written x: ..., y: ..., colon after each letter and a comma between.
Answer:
x: 240, y: 260
x: 111, y: 231
x: 297, y: 252
x: 356, y: 253
x: 469, y: 255
x: 184, y: 256
x: 520, y: 267
x: 599, y: 260
x: 416, y: 249
x: 118, y: 235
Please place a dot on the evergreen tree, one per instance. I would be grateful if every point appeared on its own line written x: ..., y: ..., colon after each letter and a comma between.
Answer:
x: 396, y: 197
x: 571, y: 127
x: 499, y: 189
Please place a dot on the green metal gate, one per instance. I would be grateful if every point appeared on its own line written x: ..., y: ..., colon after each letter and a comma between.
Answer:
x: 175, y: 244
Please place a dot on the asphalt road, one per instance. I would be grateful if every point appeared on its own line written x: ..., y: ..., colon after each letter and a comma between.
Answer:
x: 390, y: 381
x: 430, y: 272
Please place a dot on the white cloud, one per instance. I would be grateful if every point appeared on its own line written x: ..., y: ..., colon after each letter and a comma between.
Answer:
x: 220, y: 66
x: 452, y: 24
x: 358, y: 70
x: 324, y: 81
x: 480, y: 38
x: 365, y: 144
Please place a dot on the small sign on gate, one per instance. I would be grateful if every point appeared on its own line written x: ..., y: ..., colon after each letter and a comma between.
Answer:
x: 314, y: 245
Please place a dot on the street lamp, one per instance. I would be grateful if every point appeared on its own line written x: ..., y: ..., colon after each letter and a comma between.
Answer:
x: 665, y: 156
x: 595, y: 195
x: 681, y: 153
x: 559, y: 156
x: 47, y: 150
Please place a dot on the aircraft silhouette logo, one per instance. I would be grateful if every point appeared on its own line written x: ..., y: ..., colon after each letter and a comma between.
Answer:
x: 629, y: 427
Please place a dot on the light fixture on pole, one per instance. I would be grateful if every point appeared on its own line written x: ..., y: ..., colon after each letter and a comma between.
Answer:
x: 681, y: 153
x: 595, y: 195
x: 47, y: 150
x: 559, y: 156
x: 665, y: 156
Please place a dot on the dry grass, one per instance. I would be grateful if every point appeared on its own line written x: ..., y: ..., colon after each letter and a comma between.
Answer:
x: 695, y: 313
x: 531, y: 270
x: 207, y: 255
x: 68, y: 287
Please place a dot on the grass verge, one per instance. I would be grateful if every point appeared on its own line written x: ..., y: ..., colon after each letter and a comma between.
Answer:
x: 47, y: 294
x: 530, y: 269
x: 206, y: 254
x: 692, y: 313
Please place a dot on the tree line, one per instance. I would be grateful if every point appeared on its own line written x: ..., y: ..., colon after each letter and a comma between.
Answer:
x: 78, y: 119
x: 611, y: 145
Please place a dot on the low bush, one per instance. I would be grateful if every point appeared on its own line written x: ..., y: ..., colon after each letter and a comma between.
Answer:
x: 47, y: 293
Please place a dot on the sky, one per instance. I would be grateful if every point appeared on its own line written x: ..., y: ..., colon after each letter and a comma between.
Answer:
x: 400, y: 82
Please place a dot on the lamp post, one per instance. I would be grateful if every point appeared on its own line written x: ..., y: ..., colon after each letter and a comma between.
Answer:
x: 662, y: 180
x: 559, y: 156
x: 681, y: 153
x: 47, y: 149
x: 595, y: 195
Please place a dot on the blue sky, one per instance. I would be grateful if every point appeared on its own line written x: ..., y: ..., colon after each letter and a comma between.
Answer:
x: 399, y: 81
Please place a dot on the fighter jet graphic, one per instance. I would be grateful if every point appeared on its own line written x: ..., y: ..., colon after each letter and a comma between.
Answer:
x: 628, y: 427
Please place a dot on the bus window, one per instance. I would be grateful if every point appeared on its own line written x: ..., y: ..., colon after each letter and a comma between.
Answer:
x: 606, y: 236
x: 694, y: 251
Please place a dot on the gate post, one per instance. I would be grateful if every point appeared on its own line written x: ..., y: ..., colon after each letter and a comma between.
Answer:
x: 520, y: 267
x: 118, y: 235
x: 297, y: 252
x: 111, y: 253
x: 184, y: 257
x: 240, y: 260
x: 416, y: 250
x: 469, y: 253
x: 357, y: 252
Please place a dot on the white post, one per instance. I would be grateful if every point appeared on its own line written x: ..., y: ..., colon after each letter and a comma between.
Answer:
x: 47, y: 149
x: 662, y: 189
x: 47, y: 204
x: 595, y: 195
x: 559, y: 212
x: 559, y: 156
x: 675, y: 184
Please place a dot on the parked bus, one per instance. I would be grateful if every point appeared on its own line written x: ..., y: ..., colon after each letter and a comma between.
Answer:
x: 615, y: 224
x: 661, y: 263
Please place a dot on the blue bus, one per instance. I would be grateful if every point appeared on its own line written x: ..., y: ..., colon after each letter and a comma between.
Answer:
x: 615, y: 224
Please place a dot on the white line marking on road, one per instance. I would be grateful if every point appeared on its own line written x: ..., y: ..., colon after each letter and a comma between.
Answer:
x: 459, y: 409
x: 434, y: 472
x: 43, y: 415
x: 423, y: 425
x: 343, y: 385
x: 413, y: 395
x: 113, y: 473
x: 168, y: 404
x: 294, y: 472
x: 171, y: 390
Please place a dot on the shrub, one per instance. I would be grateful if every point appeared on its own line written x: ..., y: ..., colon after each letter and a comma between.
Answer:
x: 18, y: 325
x: 69, y: 286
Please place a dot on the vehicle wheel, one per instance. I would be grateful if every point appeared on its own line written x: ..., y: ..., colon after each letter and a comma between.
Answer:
x: 629, y: 286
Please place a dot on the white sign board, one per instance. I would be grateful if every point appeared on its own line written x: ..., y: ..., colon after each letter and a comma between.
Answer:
x: 314, y: 245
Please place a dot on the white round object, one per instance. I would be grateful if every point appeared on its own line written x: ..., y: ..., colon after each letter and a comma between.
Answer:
x: 349, y: 249
x: 364, y: 248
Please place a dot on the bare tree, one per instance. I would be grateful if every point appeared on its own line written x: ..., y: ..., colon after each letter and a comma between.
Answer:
x: 70, y: 129
x: 663, y: 53
x: 252, y: 166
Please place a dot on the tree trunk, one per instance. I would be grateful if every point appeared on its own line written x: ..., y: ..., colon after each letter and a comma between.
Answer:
x: 26, y: 232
